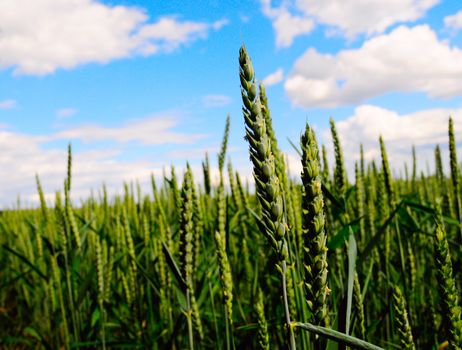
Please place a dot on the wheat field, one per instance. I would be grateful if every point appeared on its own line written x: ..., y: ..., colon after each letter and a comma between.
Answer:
x: 298, y: 261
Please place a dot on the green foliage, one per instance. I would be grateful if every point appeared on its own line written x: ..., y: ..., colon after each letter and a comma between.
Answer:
x: 211, y: 266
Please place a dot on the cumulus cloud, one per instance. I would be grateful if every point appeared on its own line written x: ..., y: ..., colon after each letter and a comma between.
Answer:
x: 24, y: 155
x: 293, y: 18
x: 215, y: 101
x: 286, y: 25
x: 154, y: 130
x: 39, y: 36
x: 424, y: 129
x: 386, y: 63
x: 274, y: 78
x: 168, y: 34
x: 454, y: 22
x: 7, y: 104
x: 364, y: 16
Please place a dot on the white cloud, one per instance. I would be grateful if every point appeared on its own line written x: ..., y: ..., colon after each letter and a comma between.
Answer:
x: 40, y: 36
x: 386, y: 63
x: 350, y: 18
x: 24, y: 155
x: 217, y: 25
x: 168, y: 34
x: 65, y: 112
x: 274, y: 78
x: 212, y: 101
x: 454, y: 22
x: 424, y: 129
x: 286, y: 25
x: 155, y: 130
x: 353, y: 17
x: 7, y: 104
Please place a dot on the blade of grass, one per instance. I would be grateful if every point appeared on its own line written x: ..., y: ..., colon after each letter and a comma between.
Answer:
x: 339, y: 337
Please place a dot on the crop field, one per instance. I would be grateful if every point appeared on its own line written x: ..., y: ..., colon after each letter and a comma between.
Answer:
x: 291, y: 261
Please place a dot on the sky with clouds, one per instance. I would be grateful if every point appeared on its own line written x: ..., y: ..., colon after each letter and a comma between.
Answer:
x: 136, y: 86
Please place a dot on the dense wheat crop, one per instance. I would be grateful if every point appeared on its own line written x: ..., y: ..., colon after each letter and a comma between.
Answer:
x: 307, y: 261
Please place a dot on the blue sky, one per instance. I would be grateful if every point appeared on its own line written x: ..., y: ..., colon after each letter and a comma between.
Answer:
x: 136, y: 86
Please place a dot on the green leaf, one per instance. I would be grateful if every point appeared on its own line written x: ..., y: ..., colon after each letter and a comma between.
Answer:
x: 352, y: 252
x: 148, y: 277
x: 32, y: 332
x: 368, y: 278
x: 95, y: 317
x: 376, y: 239
x: 295, y: 147
x: 339, y: 337
x: 430, y: 210
x: 86, y: 285
x: 26, y: 261
x: 335, y: 201
x: 340, y: 237
x: 174, y: 268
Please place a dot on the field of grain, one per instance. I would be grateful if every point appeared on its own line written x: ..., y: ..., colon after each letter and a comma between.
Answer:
x: 298, y: 261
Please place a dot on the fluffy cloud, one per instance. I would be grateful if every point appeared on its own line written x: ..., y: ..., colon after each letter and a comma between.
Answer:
x: 286, y: 25
x: 386, y: 63
x: 24, y: 155
x: 274, y: 78
x: 40, y: 36
x: 213, y: 101
x: 424, y: 129
x: 364, y: 16
x: 347, y: 18
x: 168, y: 34
x: 155, y: 130
x: 7, y: 104
x: 454, y: 22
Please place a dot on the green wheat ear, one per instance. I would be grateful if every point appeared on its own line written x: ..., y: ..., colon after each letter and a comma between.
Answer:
x: 224, y: 145
x: 267, y: 183
x: 359, y: 306
x: 236, y: 200
x: 455, y: 174
x: 186, y: 228
x: 414, y: 169
x: 315, y: 248
x: 387, y: 173
x: 451, y: 311
x: 402, y: 321
x: 359, y: 195
x: 206, y: 171
x: 43, y: 204
x: 220, y: 236
x: 447, y: 205
x: 340, y: 178
x: 187, y: 253
x: 263, y: 337
x: 278, y: 156
x: 325, y: 166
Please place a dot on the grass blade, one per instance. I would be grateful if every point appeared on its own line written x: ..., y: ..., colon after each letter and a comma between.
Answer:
x: 341, y: 338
